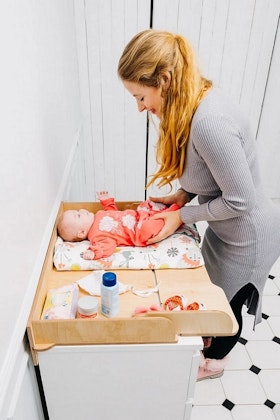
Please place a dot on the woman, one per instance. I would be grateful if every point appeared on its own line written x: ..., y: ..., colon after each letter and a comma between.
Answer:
x: 206, y: 143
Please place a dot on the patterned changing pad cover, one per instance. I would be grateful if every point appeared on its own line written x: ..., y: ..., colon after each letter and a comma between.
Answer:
x: 180, y: 250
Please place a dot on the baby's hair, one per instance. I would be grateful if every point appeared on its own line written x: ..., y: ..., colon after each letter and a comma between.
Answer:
x: 65, y: 231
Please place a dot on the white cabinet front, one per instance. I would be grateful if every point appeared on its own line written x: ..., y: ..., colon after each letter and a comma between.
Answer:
x: 121, y: 382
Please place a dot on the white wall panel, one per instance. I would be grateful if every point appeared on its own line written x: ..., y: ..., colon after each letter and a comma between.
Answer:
x: 115, y: 133
x: 269, y: 129
x: 236, y: 41
x: 260, y: 54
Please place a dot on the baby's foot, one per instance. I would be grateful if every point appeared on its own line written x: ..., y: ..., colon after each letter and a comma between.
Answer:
x: 102, y: 195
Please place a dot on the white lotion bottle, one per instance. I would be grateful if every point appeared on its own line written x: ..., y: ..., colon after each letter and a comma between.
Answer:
x: 109, y: 295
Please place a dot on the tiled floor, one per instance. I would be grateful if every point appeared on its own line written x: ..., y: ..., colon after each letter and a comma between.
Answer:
x: 250, y: 386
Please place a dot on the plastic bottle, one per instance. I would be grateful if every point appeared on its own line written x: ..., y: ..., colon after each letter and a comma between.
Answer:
x: 109, y: 295
x: 87, y: 307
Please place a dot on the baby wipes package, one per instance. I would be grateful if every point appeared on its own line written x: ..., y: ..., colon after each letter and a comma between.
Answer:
x: 61, y: 303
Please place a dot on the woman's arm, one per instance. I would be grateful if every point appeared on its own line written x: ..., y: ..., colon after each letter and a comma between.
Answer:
x: 180, y: 197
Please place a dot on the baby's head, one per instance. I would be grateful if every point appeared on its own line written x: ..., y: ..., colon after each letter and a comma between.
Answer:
x: 74, y: 225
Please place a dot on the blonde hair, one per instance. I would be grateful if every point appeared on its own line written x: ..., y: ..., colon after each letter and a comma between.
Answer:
x: 145, y: 60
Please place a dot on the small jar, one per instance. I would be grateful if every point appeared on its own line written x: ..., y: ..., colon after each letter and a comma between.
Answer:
x: 87, y: 307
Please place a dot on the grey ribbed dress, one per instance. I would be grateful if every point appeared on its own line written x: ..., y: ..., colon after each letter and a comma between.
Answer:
x: 242, y: 240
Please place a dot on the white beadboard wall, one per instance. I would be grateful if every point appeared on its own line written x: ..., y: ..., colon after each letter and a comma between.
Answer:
x: 235, y: 44
x: 269, y: 127
x: 113, y: 154
x: 40, y: 128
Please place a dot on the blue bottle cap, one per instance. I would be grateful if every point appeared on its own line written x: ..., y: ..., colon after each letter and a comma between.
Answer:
x: 109, y: 279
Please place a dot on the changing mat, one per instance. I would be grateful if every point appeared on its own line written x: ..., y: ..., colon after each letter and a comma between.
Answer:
x: 180, y: 250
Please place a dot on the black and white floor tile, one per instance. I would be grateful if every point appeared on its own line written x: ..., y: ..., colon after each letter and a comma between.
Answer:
x: 250, y: 386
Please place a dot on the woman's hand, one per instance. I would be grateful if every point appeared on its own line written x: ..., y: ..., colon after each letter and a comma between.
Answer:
x: 180, y: 197
x: 172, y: 221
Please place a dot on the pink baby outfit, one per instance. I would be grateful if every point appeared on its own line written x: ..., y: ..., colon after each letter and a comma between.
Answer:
x: 113, y: 227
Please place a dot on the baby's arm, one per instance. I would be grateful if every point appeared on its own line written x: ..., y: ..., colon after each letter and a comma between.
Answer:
x: 88, y: 255
x: 102, y: 195
x: 103, y: 249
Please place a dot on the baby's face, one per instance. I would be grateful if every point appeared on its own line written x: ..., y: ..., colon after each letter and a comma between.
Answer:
x: 80, y: 220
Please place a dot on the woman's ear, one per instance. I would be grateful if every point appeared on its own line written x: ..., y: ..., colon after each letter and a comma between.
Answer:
x: 165, y: 80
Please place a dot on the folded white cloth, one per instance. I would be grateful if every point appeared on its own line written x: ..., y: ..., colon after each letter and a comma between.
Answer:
x: 92, y: 283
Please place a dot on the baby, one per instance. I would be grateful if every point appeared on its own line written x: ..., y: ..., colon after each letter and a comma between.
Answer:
x: 109, y: 228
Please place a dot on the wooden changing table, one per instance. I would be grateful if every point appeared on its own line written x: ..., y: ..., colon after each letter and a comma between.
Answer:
x: 141, y: 367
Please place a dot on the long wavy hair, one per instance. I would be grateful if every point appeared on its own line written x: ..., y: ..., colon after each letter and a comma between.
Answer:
x: 146, y: 60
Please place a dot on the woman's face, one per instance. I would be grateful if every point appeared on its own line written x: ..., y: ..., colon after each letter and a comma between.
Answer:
x: 147, y: 98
